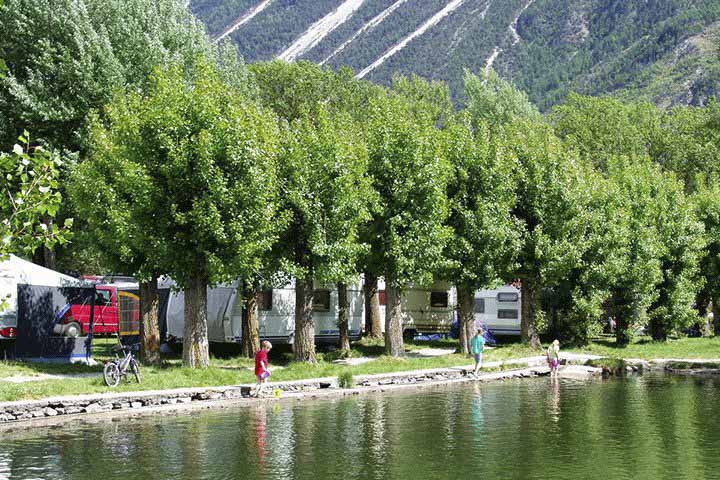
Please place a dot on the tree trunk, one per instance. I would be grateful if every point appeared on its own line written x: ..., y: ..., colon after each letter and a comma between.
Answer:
x: 466, y: 318
x: 149, y: 322
x: 196, y: 349
x: 304, y: 343
x: 250, y: 323
x: 343, y: 317
x: 373, y: 328
x: 622, y: 325
x: 658, y: 331
x: 50, y: 257
x: 528, y: 332
x: 393, y: 320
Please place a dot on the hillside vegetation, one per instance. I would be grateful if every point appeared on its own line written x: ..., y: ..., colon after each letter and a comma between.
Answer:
x: 660, y: 50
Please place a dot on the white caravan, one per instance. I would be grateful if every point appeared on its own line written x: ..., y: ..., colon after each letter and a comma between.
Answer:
x: 424, y: 310
x: 14, y: 271
x: 433, y: 310
x: 276, y: 314
x: 499, y: 310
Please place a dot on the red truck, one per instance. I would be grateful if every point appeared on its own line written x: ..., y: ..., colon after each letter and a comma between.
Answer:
x: 116, y: 311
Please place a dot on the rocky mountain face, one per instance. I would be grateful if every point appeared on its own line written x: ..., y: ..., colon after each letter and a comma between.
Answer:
x: 662, y: 50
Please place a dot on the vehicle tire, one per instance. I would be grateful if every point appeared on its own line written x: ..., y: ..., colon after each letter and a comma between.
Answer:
x: 135, y: 369
x: 73, y: 330
x: 111, y: 374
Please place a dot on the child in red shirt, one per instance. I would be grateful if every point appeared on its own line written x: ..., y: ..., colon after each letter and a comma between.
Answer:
x: 262, y: 370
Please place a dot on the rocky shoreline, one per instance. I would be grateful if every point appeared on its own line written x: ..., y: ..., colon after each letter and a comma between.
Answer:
x: 19, y: 413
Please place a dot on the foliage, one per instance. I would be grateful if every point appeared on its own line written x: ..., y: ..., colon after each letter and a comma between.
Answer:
x: 29, y: 199
x: 297, y: 89
x: 481, y: 196
x: 410, y: 175
x: 345, y: 380
x: 495, y: 101
x: 89, y: 48
x: 326, y: 190
x: 204, y: 153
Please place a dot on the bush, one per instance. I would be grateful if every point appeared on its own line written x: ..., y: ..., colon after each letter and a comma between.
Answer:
x: 610, y: 366
x: 345, y: 380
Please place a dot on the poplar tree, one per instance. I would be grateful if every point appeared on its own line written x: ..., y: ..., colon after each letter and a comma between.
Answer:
x: 486, y: 237
x: 326, y: 191
x: 410, y: 175
x: 203, y: 198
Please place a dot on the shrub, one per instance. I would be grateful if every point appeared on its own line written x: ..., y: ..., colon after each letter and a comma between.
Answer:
x: 345, y: 380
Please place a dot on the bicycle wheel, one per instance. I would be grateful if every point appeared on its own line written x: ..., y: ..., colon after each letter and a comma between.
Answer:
x: 111, y: 374
x: 135, y: 369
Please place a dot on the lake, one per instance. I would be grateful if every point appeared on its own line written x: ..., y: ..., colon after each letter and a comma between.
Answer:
x: 648, y: 427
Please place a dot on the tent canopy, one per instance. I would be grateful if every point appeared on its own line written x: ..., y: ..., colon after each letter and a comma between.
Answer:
x: 14, y: 271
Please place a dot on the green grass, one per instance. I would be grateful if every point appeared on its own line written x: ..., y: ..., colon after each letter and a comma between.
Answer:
x: 235, y: 370
x: 232, y: 370
x: 647, y: 349
x: 613, y: 366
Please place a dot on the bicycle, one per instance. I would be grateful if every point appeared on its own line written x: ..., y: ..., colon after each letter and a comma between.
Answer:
x: 114, y: 370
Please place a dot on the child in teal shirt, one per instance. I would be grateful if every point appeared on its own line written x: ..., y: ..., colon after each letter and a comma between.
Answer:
x: 477, y: 344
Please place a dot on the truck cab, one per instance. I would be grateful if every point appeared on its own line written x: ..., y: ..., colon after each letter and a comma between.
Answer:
x: 111, y: 304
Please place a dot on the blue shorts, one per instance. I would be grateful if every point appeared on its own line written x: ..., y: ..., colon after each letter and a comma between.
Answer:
x: 478, y: 357
x: 263, y: 376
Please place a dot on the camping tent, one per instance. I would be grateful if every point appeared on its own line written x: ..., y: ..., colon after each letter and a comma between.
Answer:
x: 14, y: 271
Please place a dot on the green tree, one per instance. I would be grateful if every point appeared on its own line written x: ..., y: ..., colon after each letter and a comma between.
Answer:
x: 66, y: 57
x: 550, y: 212
x: 707, y: 208
x: 326, y: 190
x: 410, y: 176
x: 485, y: 238
x: 546, y: 208
x: 206, y: 158
x: 496, y: 101
x: 28, y: 195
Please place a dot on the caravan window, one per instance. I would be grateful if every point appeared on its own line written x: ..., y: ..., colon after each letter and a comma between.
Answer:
x: 479, y: 306
x: 439, y: 299
x: 507, y: 297
x: 511, y: 314
x: 321, y: 300
x: 264, y: 300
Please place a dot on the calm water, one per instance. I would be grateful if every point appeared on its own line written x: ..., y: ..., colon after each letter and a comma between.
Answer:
x: 653, y: 427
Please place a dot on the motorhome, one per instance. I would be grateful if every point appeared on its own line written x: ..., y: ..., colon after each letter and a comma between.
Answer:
x: 424, y: 310
x: 276, y: 313
x: 116, y: 310
x: 433, y: 309
x: 498, y: 310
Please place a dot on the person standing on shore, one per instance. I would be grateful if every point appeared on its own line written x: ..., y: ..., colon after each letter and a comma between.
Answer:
x: 553, y: 358
x: 477, y: 345
x: 262, y: 367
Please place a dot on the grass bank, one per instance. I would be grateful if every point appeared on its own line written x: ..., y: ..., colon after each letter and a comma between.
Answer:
x: 231, y: 370
x: 647, y: 349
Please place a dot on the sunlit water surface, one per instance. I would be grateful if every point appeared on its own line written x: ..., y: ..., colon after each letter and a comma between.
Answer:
x: 649, y: 427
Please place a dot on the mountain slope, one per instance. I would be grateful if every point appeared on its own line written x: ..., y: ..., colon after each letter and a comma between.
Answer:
x: 664, y: 50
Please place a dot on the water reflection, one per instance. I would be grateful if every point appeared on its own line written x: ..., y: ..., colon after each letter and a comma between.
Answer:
x: 645, y: 427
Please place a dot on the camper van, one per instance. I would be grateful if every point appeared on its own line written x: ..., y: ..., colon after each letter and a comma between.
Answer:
x: 498, y: 310
x: 424, y: 310
x: 276, y: 314
x: 116, y: 310
x: 15, y: 271
x: 433, y: 309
